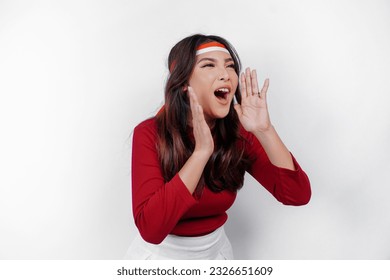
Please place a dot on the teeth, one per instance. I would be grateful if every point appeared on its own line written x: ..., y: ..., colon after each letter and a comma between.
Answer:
x: 223, y: 90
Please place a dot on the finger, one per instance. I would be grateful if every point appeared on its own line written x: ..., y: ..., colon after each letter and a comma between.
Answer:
x: 191, y: 98
x: 255, y: 86
x: 263, y: 92
x: 243, y: 87
x: 196, y: 109
x: 248, y: 81
x: 200, y: 113
x: 193, y: 103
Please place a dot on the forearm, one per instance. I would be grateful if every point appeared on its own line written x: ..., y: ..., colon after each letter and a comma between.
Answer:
x: 275, y: 149
x: 192, y: 170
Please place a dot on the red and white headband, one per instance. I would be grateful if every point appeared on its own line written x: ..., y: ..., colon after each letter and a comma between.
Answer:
x: 211, y: 47
x: 204, y: 48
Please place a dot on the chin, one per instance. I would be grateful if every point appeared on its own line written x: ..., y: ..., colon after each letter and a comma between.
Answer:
x: 221, y: 115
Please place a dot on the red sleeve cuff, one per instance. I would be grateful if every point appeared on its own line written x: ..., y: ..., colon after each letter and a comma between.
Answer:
x: 182, y: 191
x: 297, y: 167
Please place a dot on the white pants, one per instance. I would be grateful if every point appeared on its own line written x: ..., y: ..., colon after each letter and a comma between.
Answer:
x: 213, y: 246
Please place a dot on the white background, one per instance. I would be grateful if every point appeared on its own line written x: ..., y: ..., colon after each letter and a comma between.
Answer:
x: 77, y: 76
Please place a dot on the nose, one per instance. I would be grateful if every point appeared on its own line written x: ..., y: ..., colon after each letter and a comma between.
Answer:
x: 224, y: 75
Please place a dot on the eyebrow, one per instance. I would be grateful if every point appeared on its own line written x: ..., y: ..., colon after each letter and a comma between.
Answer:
x: 214, y: 60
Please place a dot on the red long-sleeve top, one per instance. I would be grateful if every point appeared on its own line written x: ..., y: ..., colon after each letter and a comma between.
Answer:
x: 161, y: 208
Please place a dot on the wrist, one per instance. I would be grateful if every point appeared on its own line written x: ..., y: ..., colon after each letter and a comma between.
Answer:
x: 201, y: 155
x: 261, y: 133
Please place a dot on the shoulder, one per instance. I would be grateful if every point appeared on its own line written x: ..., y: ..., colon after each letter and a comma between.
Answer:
x: 149, y: 124
x: 246, y: 136
x: 251, y: 145
x: 146, y: 128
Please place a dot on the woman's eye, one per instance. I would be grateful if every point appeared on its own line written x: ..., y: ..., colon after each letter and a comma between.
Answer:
x: 231, y: 65
x: 208, y: 65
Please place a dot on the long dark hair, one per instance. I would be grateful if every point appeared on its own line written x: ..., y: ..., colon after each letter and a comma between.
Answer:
x: 226, y: 166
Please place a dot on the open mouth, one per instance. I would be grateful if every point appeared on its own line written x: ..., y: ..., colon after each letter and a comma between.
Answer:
x: 222, y: 93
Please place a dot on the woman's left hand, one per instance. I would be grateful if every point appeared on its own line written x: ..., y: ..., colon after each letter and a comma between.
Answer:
x: 253, y: 110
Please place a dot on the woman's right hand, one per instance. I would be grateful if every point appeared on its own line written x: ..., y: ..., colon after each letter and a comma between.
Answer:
x: 204, y: 143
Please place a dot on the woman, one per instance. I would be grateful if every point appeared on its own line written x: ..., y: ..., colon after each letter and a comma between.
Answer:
x: 190, y: 159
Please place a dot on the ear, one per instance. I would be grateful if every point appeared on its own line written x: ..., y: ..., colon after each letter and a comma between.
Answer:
x: 185, y: 88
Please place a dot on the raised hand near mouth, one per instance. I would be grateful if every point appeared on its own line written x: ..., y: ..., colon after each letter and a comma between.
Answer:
x: 254, y: 117
x: 192, y: 170
x: 253, y: 111
x: 204, y: 143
